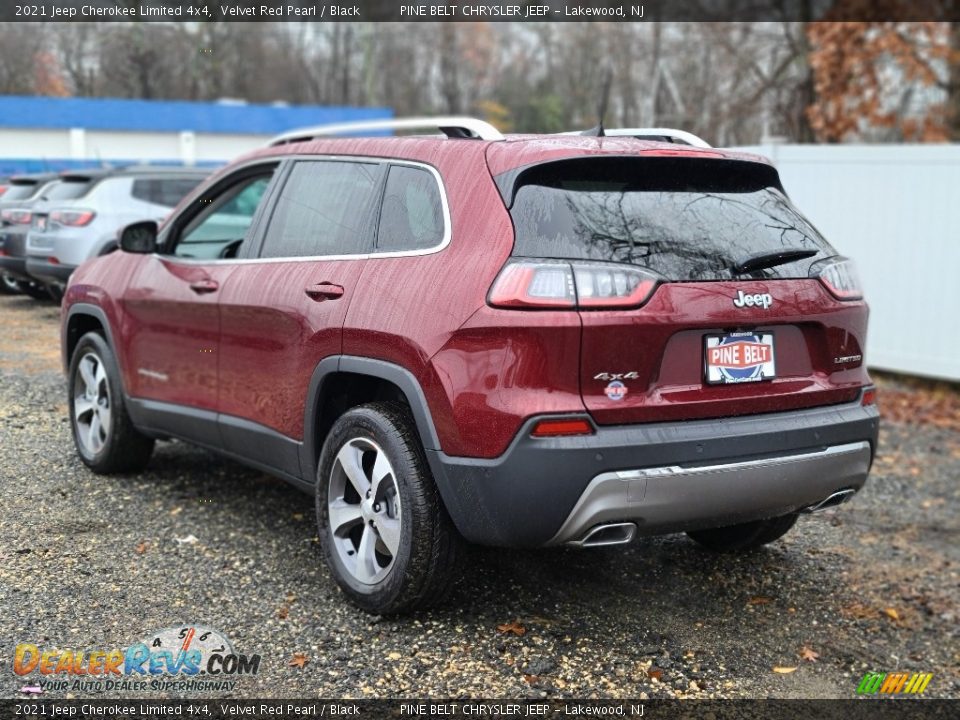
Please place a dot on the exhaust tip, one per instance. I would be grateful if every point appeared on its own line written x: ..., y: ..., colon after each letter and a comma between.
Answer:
x: 832, y: 500
x: 607, y: 534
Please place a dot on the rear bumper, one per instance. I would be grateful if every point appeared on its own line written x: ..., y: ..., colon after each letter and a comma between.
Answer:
x: 664, y: 477
x: 48, y: 272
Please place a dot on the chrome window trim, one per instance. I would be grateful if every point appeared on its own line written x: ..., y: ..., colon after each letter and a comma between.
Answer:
x: 442, y: 245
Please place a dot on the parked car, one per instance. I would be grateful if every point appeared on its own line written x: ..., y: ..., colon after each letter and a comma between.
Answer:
x: 80, y: 217
x: 15, y: 213
x: 527, y: 341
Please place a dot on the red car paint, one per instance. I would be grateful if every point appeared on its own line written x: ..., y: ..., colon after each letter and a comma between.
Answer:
x: 243, y: 339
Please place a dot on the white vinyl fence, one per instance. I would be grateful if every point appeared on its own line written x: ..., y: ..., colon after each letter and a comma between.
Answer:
x: 895, y: 209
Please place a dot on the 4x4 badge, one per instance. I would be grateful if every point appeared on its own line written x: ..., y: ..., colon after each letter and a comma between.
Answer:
x: 763, y: 300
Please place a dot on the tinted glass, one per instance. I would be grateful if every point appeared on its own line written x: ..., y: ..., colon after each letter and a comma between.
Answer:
x: 687, y: 219
x: 19, y: 191
x: 69, y: 190
x: 219, y: 231
x: 163, y: 191
x: 325, y: 209
x: 411, y: 217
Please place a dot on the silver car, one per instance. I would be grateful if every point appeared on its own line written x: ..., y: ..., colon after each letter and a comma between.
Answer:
x: 80, y: 216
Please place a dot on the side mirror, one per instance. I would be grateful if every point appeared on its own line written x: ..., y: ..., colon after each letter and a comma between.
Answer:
x: 140, y: 237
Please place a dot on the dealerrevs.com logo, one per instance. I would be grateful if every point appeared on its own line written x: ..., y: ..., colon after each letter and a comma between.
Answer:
x: 899, y: 683
x: 183, y: 658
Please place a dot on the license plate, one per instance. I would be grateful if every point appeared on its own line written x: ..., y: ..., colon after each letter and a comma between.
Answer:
x: 41, y: 223
x: 738, y: 358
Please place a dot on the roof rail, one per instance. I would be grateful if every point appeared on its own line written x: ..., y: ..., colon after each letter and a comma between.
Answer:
x: 652, y: 133
x: 452, y: 127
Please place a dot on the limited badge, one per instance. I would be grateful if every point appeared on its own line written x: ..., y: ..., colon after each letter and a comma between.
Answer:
x: 616, y: 390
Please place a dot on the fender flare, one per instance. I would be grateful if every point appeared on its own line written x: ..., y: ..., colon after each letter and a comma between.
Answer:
x: 381, y: 369
x: 94, y: 311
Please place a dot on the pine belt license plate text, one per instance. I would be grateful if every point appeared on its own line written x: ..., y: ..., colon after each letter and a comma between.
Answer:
x: 739, y: 357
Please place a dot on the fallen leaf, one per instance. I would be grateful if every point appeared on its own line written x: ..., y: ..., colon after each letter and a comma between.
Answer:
x: 892, y: 614
x: 283, y: 612
x: 176, y: 511
x: 513, y: 627
x: 394, y: 656
x: 784, y: 670
x: 531, y: 679
x: 141, y: 547
x: 655, y: 674
x: 809, y: 654
x: 760, y: 600
x: 299, y: 660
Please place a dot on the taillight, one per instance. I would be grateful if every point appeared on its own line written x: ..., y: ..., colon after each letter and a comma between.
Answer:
x: 562, y: 428
x: 839, y: 276
x: 15, y: 216
x: 560, y: 284
x: 72, y: 218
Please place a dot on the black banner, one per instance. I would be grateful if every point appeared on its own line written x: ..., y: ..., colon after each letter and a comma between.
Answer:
x: 465, y: 11
x: 864, y: 709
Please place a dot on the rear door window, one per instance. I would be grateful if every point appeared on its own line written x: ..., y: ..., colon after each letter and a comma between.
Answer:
x: 325, y: 208
x: 687, y: 219
x: 411, y: 216
x: 167, y: 192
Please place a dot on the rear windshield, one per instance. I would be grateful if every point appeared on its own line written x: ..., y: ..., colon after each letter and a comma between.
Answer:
x: 19, y: 191
x: 685, y: 218
x: 69, y: 189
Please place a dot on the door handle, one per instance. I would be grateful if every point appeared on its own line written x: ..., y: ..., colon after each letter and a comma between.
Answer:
x: 324, y: 291
x: 202, y: 287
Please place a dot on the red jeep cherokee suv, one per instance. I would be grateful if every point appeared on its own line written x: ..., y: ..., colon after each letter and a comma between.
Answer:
x: 525, y: 341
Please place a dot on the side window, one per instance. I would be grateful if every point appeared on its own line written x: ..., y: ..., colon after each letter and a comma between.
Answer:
x: 411, y: 217
x: 324, y: 209
x: 163, y: 191
x: 220, y: 229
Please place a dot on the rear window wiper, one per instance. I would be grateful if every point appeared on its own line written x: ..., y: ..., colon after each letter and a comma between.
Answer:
x: 762, y: 261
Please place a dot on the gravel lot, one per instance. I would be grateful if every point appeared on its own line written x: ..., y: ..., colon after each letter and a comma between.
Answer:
x: 94, y: 562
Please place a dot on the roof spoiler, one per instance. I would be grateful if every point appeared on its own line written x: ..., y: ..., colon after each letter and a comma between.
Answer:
x: 662, y: 134
x: 452, y: 127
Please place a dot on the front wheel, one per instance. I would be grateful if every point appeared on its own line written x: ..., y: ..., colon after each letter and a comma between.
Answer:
x: 384, y: 531
x: 104, y: 435
x: 747, y: 536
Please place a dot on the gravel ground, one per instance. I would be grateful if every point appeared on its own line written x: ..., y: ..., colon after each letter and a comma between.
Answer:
x: 99, y: 562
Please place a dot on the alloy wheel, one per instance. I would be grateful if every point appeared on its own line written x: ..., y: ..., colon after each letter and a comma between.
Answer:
x: 363, y: 505
x: 92, y: 408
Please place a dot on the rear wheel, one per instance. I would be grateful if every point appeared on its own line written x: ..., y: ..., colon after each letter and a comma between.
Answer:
x: 9, y: 284
x: 384, y: 531
x: 747, y: 536
x: 104, y: 435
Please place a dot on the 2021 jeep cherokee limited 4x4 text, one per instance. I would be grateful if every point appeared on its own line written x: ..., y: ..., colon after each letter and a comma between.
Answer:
x: 524, y: 341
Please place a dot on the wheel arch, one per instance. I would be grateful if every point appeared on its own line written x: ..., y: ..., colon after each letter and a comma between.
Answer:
x: 81, y: 319
x: 345, y: 381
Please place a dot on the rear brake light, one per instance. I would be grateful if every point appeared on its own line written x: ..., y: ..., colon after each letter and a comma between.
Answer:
x: 560, y: 284
x: 72, y: 218
x: 562, y: 428
x: 839, y: 276
x: 15, y: 216
x: 53, y: 260
x: 869, y: 397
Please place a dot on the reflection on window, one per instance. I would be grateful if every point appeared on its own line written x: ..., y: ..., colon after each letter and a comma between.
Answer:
x: 219, y: 231
x: 683, y: 232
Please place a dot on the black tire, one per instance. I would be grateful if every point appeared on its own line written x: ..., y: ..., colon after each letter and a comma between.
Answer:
x: 748, y: 536
x: 424, y: 568
x: 9, y: 285
x: 119, y: 447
